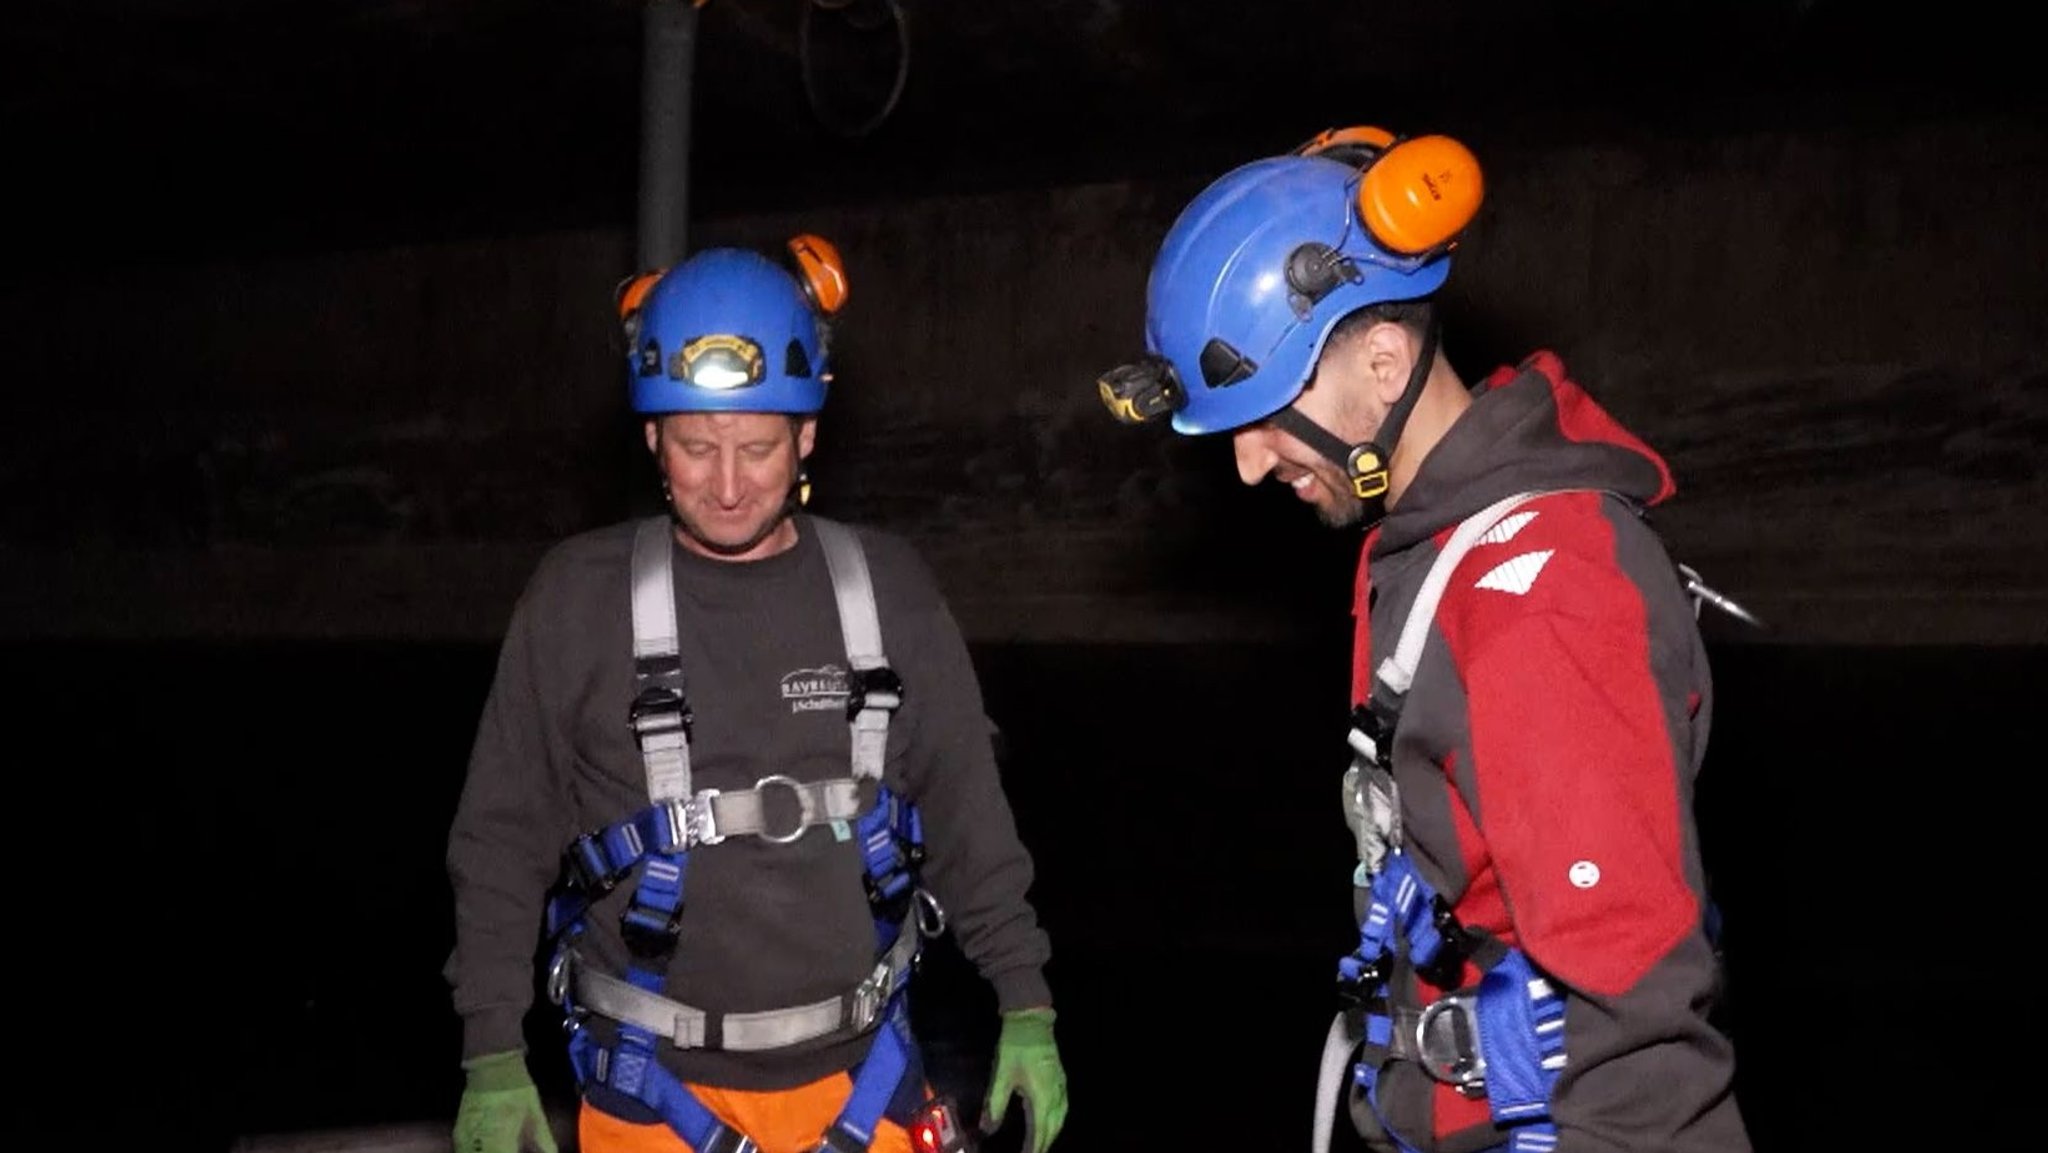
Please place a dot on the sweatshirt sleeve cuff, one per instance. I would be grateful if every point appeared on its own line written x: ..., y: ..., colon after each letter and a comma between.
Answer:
x: 1021, y: 989
x: 486, y: 1033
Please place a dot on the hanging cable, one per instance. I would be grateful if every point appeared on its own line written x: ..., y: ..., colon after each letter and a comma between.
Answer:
x: 862, y: 15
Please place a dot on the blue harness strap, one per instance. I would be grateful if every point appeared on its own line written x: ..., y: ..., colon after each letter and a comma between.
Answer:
x: 1517, y: 1017
x: 878, y: 1081
x: 637, y: 1075
x: 1522, y: 1019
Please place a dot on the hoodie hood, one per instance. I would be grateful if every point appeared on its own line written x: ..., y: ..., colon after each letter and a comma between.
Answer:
x: 1530, y: 427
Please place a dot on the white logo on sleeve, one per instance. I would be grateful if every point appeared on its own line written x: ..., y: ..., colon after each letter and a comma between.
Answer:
x: 1584, y: 874
x: 1505, y: 531
x: 1516, y: 574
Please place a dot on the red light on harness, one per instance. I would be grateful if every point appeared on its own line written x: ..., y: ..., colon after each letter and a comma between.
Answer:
x: 936, y: 1129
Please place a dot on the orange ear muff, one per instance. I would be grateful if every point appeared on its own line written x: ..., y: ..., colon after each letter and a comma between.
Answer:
x: 1419, y: 194
x: 632, y: 290
x: 819, y: 268
x: 627, y: 297
x: 1358, y: 143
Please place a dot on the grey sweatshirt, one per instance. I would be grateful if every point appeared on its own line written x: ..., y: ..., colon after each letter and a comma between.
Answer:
x: 763, y: 925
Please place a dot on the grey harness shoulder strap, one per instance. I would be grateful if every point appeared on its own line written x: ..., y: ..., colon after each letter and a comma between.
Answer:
x: 657, y: 667
x: 1398, y: 670
x: 874, y: 690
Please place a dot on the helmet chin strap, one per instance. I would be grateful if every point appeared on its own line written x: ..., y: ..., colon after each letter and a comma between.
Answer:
x: 1366, y: 463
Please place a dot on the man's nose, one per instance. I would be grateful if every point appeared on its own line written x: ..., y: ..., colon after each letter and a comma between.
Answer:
x: 1254, y: 457
x: 727, y: 483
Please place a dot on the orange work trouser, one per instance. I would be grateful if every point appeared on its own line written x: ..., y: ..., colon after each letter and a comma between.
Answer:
x: 780, y: 1121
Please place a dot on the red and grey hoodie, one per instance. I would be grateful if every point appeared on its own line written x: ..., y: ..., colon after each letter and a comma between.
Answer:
x: 1546, y: 756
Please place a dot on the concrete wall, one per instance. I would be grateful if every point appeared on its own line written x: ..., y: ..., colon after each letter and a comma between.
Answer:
x: 1840, y: 342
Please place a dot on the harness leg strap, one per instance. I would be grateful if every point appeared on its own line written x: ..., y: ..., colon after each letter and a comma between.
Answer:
x: 655, y: 1087
x: 875, y: 1084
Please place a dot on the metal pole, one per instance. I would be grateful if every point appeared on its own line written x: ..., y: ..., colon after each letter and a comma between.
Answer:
x: 668, y: 57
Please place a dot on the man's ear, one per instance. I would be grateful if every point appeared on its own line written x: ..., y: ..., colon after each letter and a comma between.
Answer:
x: 1389, y: 351
x: 652, y: 430
x: 806, y: 437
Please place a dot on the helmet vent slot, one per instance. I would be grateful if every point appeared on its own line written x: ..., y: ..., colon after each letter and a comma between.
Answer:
x: 795, y: 362
x: 1223, y: 365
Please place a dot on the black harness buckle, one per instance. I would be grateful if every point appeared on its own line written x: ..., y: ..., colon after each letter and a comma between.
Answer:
x: 1446, y: 970
x: 660, y: 710
x: 876, y: 688
x: 649, y: 933
x: 890, y: 896
x: 1378, y: 727
x: 584, y: 868
x: 1355, y: 991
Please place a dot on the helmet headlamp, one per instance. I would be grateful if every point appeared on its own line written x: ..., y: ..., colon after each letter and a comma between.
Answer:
x: 719, y: 363
x: 1142, y: 391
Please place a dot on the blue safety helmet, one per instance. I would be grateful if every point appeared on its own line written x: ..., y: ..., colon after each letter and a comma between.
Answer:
x: 727, y: 330
x: 1252, y: 277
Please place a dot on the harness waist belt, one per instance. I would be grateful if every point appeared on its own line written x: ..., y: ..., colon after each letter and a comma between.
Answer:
x: 687, y: 1027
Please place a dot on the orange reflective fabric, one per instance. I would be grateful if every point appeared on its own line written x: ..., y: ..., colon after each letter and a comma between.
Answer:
x: 781, y: 1121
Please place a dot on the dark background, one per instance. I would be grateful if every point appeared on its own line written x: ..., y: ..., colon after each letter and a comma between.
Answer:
x: 307, y: 336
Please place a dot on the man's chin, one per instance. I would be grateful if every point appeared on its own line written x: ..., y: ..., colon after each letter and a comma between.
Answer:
x: 728, y: 547
x: 1340, y: 513
x: 726, y: 541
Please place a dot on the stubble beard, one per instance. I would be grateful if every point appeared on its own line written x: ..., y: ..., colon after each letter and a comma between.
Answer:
x: 722, y: 548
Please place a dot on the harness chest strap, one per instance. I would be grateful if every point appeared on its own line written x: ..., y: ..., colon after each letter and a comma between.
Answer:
x: 711, y: 816
x: 678, y: 825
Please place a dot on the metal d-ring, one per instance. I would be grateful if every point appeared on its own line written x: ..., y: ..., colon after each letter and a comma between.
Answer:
x: 796, y: 788
x: 931, y: 916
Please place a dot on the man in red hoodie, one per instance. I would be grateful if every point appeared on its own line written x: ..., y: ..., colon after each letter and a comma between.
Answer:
x: 1532, y: 693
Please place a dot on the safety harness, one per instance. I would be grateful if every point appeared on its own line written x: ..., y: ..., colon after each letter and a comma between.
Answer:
x: 658, y: 840
x: 1501, y: 1039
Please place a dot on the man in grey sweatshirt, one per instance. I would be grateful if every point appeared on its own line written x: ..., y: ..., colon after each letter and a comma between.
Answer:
x: 660, y: 783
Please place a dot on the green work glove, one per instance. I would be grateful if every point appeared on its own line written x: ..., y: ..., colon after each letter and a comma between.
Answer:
x: 500, y: 1110
x: 1028, y: 1063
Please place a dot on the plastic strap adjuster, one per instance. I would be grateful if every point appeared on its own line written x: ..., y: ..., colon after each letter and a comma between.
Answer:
x: 875, y: 688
